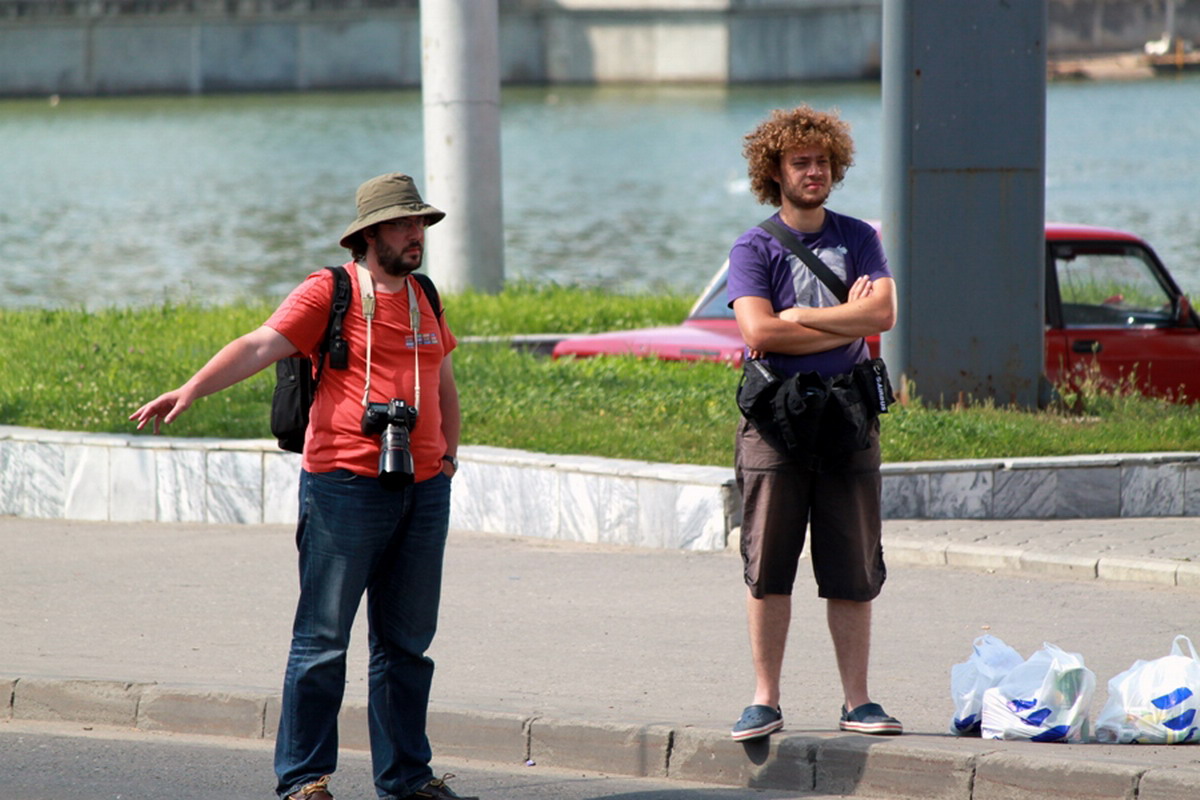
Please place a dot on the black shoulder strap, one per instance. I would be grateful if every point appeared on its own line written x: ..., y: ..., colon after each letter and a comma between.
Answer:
x: 431, y: 292
x: 818, y: 267
x: 341, y: 302
x: 337, y: 313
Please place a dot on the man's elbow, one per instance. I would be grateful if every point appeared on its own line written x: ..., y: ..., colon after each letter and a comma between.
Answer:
x: 885, y: 315
x: 883, y: 305
x: 756, y: 339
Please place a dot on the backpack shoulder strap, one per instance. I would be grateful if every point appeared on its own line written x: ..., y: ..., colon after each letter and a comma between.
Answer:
x: 341, y: 301
x: 818, y: 267
x: 337, y: 313
x: 431, y: 292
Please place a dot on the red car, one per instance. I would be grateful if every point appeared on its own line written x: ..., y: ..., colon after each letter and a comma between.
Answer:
x: 1110, y: 303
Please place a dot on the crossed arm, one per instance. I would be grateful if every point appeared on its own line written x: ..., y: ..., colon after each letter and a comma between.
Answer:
x: 870, y: 309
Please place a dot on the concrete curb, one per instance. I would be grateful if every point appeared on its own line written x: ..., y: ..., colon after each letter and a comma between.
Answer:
x: 1160, y: 571
x: 921, y: 767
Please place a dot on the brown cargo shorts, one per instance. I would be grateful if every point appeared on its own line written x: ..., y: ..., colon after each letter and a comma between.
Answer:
x: 841, y: 508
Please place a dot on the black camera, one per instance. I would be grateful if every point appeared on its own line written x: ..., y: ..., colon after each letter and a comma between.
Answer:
x: 394, y: 420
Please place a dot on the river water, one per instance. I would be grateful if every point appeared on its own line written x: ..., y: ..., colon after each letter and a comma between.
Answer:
x: 131, y: 201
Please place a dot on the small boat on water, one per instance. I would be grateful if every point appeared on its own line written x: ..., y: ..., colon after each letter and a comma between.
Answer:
x: 1166, y: 56
x: 1180, y: 60
x: 1171, y: 53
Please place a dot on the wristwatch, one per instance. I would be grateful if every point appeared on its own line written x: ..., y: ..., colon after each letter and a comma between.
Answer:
x: 453, y: 461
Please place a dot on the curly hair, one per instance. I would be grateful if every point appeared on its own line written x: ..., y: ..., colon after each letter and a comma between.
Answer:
x: 786, y: 130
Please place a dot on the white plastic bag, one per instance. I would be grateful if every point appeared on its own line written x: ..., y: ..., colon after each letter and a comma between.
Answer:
x: 990, y: 660
x: 1045, y: 699
x: 1154, y: 702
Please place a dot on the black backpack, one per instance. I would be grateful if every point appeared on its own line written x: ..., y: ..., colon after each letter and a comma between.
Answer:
x: 295, y: 384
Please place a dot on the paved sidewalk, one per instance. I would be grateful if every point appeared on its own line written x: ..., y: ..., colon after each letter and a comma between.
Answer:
x: 625, y: 660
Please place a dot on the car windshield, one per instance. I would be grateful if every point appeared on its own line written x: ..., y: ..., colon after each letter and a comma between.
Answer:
x: 1110, y: 285
x: 713, y: 302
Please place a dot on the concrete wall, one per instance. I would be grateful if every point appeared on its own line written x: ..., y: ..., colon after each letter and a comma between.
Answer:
x: 191, y: 46
x: 1111, y: 26
x: 131, y: 478
x: 172, y: 54
x: 109, y: 47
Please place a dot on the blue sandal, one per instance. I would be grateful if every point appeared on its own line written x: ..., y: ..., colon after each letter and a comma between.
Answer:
x: 757, y: 722
x: 870, y: 718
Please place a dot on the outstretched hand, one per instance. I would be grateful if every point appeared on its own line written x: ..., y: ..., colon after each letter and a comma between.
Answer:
x: 236, y: 361
x: 162, y: 409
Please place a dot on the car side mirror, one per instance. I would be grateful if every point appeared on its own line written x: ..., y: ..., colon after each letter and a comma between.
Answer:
x: 1183, y: 310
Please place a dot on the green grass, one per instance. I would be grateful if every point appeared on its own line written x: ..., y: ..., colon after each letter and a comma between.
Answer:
x: 615, y: 407
x: 982, y: 430
x: 1094, y: 292
x: 528, y: 308
x: 73, y: 370
x: 87, y: 371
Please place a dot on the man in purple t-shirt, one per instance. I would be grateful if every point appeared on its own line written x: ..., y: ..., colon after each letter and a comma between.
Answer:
x: 796, y: 324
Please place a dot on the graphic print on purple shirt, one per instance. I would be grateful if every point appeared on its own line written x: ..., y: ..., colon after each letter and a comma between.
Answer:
x: 760, y: 266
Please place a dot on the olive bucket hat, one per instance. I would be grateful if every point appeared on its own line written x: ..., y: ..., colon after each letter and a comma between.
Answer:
x: 388, y: 197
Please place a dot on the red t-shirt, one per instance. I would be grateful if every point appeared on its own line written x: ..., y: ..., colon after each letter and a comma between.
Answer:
x: 334, y: 439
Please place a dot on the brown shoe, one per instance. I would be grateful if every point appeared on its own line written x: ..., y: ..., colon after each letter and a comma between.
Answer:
x: 317, y: 790
x: 437, y: 789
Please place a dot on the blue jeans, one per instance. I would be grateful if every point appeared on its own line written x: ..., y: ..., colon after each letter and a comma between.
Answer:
x: 355, y: 537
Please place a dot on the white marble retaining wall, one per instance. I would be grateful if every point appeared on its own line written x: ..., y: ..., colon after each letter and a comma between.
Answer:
x: 127, y: 478
x: 1070, y: 487
x: 135, y: 478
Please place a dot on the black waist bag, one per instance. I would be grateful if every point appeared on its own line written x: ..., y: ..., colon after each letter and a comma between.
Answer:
x: 816, y: 421
x: 756, y: 389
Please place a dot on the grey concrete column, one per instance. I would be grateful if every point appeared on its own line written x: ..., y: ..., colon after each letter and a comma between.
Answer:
x: 460, y: 88
x: 964, y: 115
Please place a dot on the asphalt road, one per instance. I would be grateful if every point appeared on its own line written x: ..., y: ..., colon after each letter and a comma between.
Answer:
x: 55, y: 761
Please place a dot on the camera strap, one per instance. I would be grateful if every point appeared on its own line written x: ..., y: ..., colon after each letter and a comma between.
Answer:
x: 366, y: 291
x: 807, y: 256
x: 414, y: 316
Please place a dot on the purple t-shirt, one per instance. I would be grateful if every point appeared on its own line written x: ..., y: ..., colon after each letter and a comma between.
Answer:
x: 759, y: 266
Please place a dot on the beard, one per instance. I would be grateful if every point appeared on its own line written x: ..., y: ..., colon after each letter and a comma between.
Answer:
x: 808, y: 201
x: 398, y: 262
x: 811, y: 202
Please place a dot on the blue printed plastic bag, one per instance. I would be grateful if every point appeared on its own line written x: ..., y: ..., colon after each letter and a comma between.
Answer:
x: 990, y: 661
x: 1045, y: 699
x: 1154, y: 702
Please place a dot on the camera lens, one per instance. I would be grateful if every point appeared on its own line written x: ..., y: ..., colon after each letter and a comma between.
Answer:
x: 395, y: 460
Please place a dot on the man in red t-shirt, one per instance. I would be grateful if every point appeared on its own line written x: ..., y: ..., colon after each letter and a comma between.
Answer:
x: 357, y: 532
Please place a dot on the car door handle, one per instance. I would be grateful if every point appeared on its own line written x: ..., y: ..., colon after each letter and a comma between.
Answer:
x: 1086, y: 346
